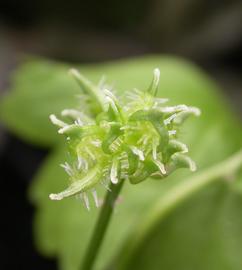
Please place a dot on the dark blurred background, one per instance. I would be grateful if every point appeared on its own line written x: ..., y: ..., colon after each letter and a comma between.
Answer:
x: 208, y: 32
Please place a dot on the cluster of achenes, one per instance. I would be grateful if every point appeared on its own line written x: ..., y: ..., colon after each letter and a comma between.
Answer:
x: 112, y: 141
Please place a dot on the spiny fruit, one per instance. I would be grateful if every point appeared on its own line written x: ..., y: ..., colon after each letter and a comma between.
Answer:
x: 110, y: 140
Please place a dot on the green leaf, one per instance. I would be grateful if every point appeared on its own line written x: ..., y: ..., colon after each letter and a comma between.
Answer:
x: 38, y: 89
x: 63, y: 228
x: 205, y: 232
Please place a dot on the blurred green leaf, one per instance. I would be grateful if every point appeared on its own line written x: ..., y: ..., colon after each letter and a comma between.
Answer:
x: 38, y: 89
x: 63, y: 228
x: 204, y: 232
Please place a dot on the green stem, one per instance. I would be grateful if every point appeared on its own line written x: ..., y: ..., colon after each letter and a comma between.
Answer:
x: 173, y: 198
x: 101, y: 226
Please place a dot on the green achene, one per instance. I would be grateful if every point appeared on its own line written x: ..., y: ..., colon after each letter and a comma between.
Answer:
x: 117, y: 140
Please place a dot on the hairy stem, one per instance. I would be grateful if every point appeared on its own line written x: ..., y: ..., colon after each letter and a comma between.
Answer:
x: 174, y: 197
x: 101, y: 226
